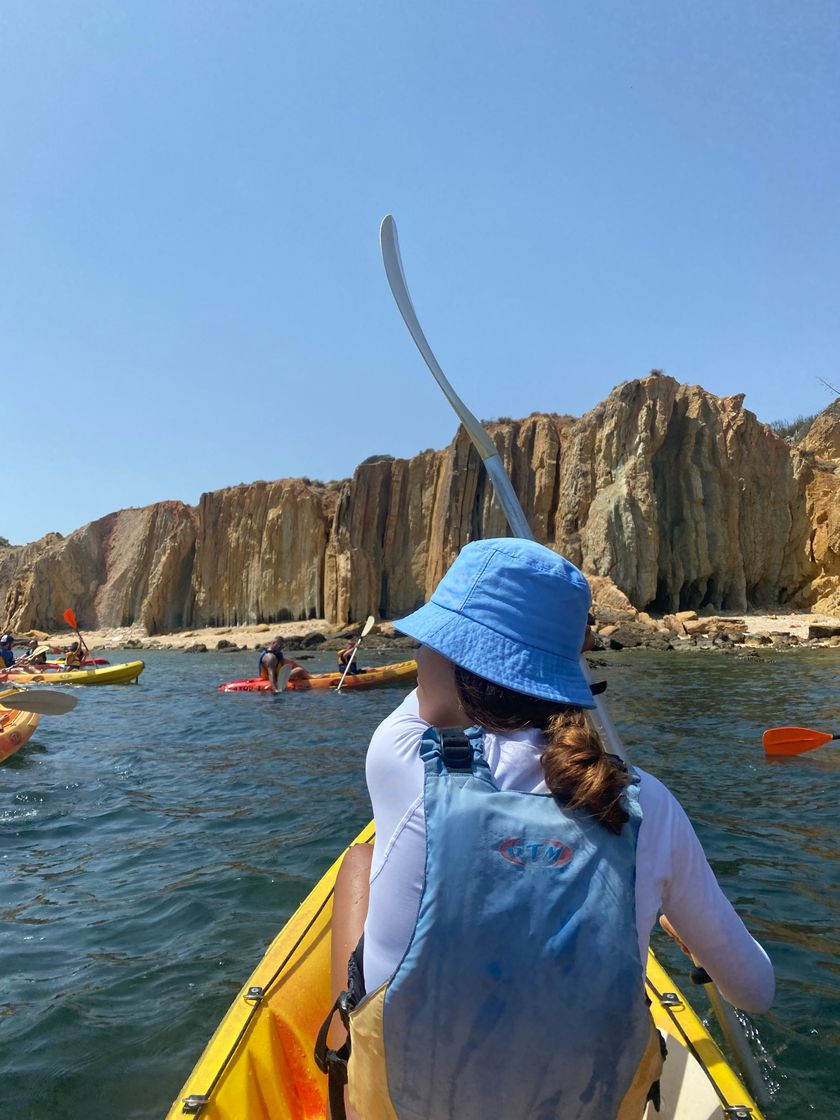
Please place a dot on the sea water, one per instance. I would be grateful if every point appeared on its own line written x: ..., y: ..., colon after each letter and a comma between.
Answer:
x: 154, y: 840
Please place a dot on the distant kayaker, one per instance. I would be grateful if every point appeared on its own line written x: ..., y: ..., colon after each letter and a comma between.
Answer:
x: 33, y: 659
x: 75, y: 656
x: 517, y: 872
x: 345, y: 655
x: 273, y: 658
x: 6, y: 652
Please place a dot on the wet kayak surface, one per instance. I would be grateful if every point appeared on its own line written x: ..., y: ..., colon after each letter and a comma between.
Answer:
x: 155, y: 839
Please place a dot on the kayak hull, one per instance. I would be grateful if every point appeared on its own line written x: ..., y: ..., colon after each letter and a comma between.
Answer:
x: 106, y: 674
x: 259, y: 1064
x: 401, y: 672
x: 16, y: 728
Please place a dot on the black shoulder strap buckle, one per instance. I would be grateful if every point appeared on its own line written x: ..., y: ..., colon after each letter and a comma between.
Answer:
x: 455, y: 749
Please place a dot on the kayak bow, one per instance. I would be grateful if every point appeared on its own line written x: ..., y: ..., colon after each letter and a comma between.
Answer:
x: 259, y: 1064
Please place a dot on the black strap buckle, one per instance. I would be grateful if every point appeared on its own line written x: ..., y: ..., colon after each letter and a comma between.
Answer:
x: 455, y: 749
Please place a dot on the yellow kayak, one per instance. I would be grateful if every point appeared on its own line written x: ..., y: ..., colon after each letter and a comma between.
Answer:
x: 259, y: 1064
x: 16, y: 728
x: 105, y: 674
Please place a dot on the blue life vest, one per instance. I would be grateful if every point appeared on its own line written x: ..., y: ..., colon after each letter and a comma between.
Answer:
x: 263, y: 672
x: 7, y: 656
x: 521, y: 994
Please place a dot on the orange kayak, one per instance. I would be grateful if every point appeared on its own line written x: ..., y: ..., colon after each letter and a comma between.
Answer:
x: 16, y: 728
x: 401, y: 672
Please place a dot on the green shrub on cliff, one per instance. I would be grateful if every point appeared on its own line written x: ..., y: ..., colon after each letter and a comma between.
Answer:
x: 793, y: 430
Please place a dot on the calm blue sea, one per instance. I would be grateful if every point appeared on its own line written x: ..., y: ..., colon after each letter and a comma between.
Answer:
x: 154, y: 840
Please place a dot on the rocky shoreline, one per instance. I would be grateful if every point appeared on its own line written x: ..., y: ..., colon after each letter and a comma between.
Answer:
x: 618, y: 626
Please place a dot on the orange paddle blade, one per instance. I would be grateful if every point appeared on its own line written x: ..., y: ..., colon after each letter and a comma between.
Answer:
x: 70, y: 619
x: 779, y: 741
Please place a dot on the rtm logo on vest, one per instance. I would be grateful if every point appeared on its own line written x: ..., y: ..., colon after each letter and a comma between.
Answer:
x: 535, y: 853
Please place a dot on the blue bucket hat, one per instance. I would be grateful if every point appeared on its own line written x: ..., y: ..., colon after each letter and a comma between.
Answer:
x: 514, y: 612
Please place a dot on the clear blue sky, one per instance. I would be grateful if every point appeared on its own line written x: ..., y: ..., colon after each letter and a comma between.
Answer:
x: 192, y: 294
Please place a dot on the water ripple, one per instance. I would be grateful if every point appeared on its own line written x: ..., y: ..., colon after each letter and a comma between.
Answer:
x: 155, y: 840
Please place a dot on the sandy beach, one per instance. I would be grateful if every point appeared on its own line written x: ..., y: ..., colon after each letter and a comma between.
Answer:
x: 785, y: 623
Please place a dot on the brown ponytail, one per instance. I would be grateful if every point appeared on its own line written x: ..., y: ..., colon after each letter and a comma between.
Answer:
x: 577, y: 770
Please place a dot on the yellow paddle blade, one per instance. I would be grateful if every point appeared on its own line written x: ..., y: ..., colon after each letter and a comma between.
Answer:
x: 781, y: 741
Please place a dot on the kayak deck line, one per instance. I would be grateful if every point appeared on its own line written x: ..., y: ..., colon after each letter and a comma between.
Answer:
x: 259, y: 1063
x: 735, y: 1102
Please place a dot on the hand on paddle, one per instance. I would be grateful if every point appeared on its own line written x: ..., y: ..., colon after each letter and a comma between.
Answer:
x: 366, y: 629
x: 84, y: 652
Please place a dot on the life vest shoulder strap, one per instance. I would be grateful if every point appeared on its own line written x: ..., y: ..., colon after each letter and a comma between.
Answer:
x: 453, y: 751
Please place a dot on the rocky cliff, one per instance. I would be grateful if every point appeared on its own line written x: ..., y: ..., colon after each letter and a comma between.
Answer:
x: 685, y: 500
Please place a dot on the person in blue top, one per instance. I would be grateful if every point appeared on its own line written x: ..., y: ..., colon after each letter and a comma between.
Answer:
x: 271, y: 661
x: 6, y: 652
x: 516, y: 874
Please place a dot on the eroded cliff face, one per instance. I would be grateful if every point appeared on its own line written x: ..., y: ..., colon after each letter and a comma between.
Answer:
x: 683, y: 499
x: 259, y: 554
x: 129, y: 567
x: 820, y: 455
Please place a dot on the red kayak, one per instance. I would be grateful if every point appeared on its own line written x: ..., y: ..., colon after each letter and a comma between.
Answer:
x: 402, y: 672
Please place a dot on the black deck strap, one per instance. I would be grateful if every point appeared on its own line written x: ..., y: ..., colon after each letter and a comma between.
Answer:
x: 655, y: 1091
x: 334, y: 1062
x: 455, y: 748
x: 597, y: 687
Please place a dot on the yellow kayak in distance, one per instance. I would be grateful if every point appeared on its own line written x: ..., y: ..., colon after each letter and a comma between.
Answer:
x: 259, y: 1064
x: 104, y: 674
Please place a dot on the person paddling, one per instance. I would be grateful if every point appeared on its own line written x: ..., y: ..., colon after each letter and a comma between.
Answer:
x: 349, y: 655
x: 36, y: 653
x: 516, y: 874
x: 75, y: 656
x: 273, y: 658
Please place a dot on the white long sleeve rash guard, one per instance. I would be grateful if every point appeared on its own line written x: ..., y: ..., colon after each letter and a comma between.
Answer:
x: 672, y: 874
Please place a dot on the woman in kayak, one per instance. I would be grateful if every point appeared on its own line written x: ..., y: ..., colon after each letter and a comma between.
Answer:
x: 76, y: 656
x: 516, y: 874
x: 349, y: 655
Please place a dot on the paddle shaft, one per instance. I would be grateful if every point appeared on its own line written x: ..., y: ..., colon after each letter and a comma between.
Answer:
x: 367, y: 629
x: 70, y: 619
x: 350, y: 660
x: 513, y: 511
x: 505, y: 493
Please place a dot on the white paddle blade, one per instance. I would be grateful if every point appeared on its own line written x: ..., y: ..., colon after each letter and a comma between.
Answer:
x: 283, y: 675
x: 399, y: 288
x: 43, y: 701
x: 368, y: 626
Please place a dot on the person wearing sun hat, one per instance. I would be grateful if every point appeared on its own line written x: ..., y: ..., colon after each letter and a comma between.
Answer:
x: 516, y: 873
x: 515, y: 613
